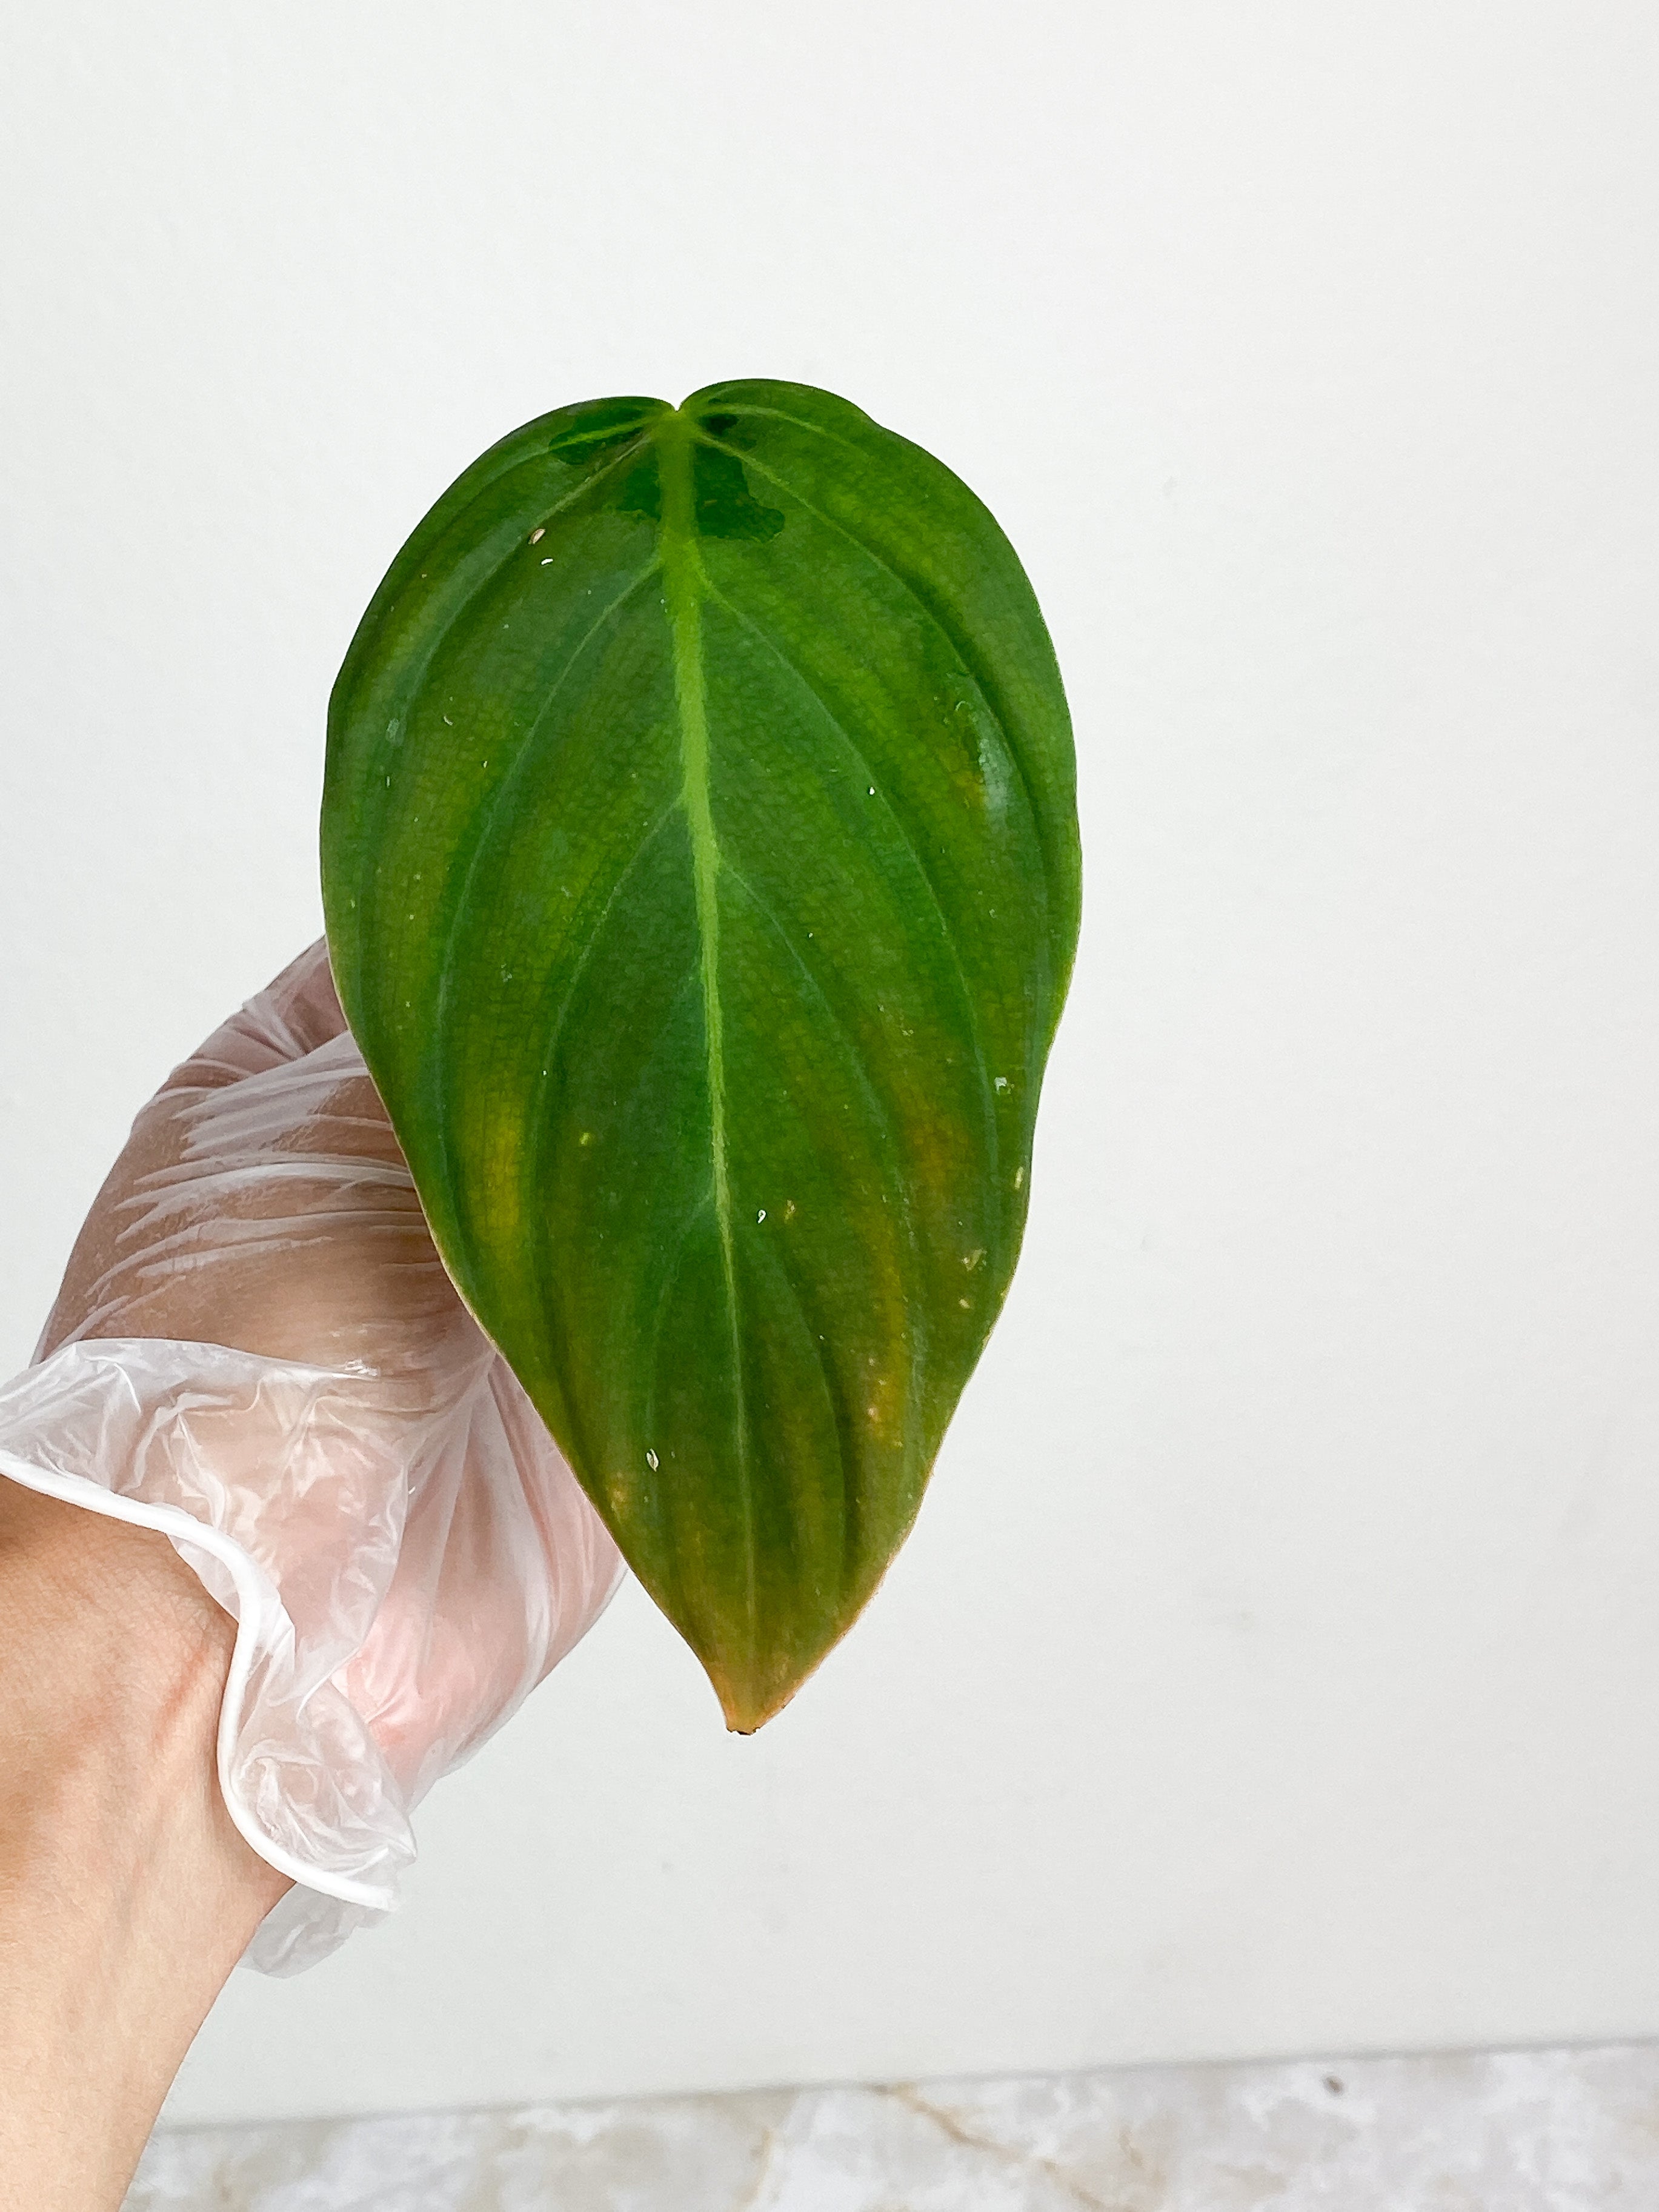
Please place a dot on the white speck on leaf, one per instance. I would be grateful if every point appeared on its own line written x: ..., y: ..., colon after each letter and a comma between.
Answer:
x: 1002, y: 1083
x: 1019, y: 1178
x: 537, y: 536
x: 971, y: 1259
x: 872, y: 791
x: 761, y: 1216
x: 547, y: 560
x: 652, y: 1462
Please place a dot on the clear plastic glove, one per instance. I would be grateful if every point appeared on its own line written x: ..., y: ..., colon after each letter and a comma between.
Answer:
x: 256, y: 1350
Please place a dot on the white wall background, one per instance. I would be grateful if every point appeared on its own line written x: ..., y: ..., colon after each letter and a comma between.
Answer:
x: 1276, y: 1663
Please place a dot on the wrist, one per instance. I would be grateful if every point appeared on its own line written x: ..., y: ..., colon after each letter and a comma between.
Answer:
x: 126, y: 1895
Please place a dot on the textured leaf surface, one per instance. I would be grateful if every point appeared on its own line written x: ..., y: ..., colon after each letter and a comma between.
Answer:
x: 700, y: 857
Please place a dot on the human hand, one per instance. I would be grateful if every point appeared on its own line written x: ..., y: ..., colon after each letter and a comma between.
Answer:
x: 255, y: 1331
x: 256, y: 1351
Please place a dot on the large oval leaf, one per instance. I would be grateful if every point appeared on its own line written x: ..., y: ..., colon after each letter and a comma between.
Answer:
x: 700, y: 857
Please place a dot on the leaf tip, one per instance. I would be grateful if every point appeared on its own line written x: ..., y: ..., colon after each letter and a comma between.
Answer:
x: 748, y: 1706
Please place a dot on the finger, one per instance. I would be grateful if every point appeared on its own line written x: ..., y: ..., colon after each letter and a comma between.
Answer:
x: 297, y: 1011
x: 262, y: 1201
x: 502, y: 1568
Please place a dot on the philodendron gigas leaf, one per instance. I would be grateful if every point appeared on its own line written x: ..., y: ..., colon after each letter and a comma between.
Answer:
x: 699, y: 856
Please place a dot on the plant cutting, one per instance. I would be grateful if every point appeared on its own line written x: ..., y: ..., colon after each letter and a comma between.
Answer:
x: 700, y: 868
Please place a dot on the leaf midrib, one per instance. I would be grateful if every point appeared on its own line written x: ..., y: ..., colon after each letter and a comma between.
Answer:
x: 685, y: 588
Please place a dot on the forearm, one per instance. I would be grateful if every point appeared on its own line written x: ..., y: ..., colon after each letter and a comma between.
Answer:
x: 126, y: 1896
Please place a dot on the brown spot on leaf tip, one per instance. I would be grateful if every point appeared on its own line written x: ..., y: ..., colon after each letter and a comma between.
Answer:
x: 748, y: 1706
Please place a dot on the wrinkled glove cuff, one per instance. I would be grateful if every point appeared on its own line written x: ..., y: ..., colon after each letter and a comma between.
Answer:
x: 148, y: 1430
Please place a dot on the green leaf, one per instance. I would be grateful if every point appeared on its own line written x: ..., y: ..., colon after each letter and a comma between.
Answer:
x: 700, y: 864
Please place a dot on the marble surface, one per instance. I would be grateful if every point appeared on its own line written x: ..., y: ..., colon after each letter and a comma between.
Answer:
x: 1533, y: 2131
